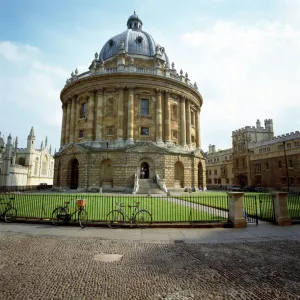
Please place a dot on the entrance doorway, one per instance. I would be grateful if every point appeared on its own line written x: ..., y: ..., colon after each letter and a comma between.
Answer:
x: 179, y: 174
x: 144, y: 170
x: 74, y: 174
x: 200, y: 176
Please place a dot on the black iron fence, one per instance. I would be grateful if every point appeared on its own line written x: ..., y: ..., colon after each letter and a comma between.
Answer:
x: 164, y: 209
x: 266, y: 207
x: 24, y: 188
x: 294, y: 206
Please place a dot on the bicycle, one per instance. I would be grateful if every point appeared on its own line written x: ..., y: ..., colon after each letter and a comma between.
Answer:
x: 141, y: 217
x: 9, y: 213
x: 61, y: 215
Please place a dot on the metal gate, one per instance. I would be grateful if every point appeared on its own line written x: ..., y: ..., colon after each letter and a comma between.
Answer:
x: 250, y: 209
x: 266, y: 205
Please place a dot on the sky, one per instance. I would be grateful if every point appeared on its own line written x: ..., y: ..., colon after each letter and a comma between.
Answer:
x: 244, y: 56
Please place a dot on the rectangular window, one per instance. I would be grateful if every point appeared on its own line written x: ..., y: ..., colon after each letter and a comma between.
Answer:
x: 209, y: 172
x: 216, y: 172
x: 288, y: 145
x: 280, y: 147
x: 174, y: 114
x: 81, y: 133
x: 267, y: 166
x: 145, y: 107
x: 296, y: 144
x: 290, y: 163
x: 83, y: 110
x: 110, y: 130
x: 144, y: 130
x: 279, y: 164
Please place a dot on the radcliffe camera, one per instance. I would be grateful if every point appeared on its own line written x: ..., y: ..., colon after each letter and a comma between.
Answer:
x: 149, y: 150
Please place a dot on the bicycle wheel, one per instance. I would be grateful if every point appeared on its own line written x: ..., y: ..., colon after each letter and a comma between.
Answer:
x: 143, y: 219
x: 59, y: 216
x: 83, y: 218
x: 115, y: 219
x: 10, y: 215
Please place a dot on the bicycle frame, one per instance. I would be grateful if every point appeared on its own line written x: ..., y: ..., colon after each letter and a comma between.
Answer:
x: 7, y: 207
x: 70, y: 215
x: 133, y: 213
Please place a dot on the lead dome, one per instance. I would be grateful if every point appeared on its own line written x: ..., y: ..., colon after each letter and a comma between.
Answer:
x: 136, y: 42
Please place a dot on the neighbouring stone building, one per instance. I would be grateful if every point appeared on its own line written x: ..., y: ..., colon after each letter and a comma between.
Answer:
x: 131, y: 111
x: 257, y: 159
x: 25, y: 166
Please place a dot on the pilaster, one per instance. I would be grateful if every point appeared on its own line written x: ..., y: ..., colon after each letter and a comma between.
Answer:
x: 167, y: 118
x: 130, y: 117
x: 90, y: 116
x: 188, y: 122
x: 198, y: 141
x: 158, y: 117
x: 67, y: 135
x: 100, y: 100
x: 63, y: 125
x: 182, y: 122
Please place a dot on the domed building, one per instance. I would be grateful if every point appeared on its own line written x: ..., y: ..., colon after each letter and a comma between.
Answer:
x: 132, y: 118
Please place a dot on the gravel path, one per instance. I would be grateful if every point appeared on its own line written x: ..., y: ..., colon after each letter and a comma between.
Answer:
x: 41, y: 267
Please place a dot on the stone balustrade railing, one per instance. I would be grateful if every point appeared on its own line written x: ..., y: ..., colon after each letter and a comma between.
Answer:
x: 132, y: 69
x: 161, y: 183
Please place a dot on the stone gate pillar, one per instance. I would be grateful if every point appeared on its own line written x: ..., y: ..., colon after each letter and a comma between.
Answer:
x: 281, y: 208
x: 236, y: 214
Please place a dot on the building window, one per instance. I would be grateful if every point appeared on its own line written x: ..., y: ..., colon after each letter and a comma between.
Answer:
x: 209, y: 172
x: 83, y: 110
x: 193, y: 139
x: 288, y: 145
x: 258, y: 168
x: 267, y: 166
x: 280, y: 147
x: 144, y: 130
x: 209, y: 180
x: 216, y: 172
x: 175, y: 134
x: 81, y: 133
x: 225, y: 157
x: 290, y: 163
x: 279, y: 164
x: 174, y: 112
x: 145, y: 107
x: 296, y: 144
x: 110, y: 130
x: 109, y: 108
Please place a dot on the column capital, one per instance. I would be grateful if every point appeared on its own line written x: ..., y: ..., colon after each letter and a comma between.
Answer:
x: 131, y: 88
x: 167, y: 93
x: 120, y: 88
x: 158, y: 91
x: 99, y: 90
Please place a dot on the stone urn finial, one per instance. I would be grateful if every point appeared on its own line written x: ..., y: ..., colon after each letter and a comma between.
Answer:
x: 72, y: 74
x: 181, y: 72
x: 173, y: 65
x: 131, y: 61
x: 96, y: 55
x: 186, y: 75
x: 195, y: 85
x: 76, y: 71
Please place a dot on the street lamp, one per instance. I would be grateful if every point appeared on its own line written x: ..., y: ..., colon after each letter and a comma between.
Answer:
x: 286, y: 167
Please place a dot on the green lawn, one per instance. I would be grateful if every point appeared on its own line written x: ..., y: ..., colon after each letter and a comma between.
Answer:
x: 41, y: 206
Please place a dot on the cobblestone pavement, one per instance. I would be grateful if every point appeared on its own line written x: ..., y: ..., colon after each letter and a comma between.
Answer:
x: 49, y: 267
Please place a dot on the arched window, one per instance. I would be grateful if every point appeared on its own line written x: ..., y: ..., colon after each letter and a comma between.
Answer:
x: 174, y: 112
x: 109, y: 109
x: 44, y: 166
x: 36, y: 166
x: 21, y: 161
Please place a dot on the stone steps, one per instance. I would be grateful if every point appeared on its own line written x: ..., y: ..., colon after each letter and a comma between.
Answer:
x: 147, y: 184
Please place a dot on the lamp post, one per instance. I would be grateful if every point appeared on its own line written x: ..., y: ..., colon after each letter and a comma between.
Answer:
x: 286, y: 167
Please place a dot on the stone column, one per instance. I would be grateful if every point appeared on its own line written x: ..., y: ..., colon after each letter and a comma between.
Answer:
x: 63, y: 125
x: 158, y: 117
x: 281, y: 208
x: 182, y: 122
x: 236, y: 214
x: 90, y: 116
x: 198, y: 142
x: 72, y: 120
x: 99, y: 122
x: 130, y: 117
x: 188, y: 122
x: 120, y: 137
x: 77, y: 116
x: 67, y: 135
x: 167, y: 118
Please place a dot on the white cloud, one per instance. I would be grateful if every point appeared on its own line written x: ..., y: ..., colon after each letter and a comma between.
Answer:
x: 31, y: 87
x: 244, y: 72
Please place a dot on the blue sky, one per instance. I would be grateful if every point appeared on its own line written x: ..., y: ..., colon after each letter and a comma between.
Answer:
x: 244, y: 56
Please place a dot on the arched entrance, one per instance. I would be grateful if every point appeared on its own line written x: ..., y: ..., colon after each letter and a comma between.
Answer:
x: 74, y: 174
x: 200, y: 175
x: 179, y: 174
x: 144, y: 170
x: 242, y: 180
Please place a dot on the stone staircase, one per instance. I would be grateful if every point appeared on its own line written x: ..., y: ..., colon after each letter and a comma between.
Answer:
x: 147, y: 184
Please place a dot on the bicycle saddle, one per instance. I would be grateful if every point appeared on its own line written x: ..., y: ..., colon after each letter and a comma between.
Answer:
x: 67, y: 203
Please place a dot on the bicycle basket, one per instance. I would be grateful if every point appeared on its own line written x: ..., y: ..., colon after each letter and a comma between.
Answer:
x: 80, y: 202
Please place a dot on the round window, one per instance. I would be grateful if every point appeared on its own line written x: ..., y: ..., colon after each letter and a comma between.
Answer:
x: 111, y: 43
x: 139, y: 39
